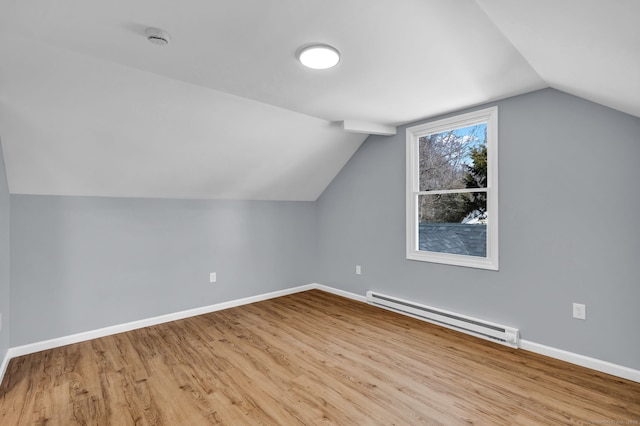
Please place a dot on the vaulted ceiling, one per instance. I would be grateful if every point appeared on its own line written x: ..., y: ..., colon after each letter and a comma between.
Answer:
x: 89, y: 107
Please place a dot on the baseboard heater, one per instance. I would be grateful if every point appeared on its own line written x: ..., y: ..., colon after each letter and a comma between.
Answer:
x: 502, y: 334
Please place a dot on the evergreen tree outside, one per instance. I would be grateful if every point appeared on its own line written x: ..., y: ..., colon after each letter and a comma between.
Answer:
x: 476, y: 177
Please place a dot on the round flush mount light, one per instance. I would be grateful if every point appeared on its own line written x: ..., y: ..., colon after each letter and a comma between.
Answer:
x: 319, y: 56
x: 157, y: 36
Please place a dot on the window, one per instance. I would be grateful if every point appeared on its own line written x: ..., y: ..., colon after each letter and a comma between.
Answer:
x: 452, y: 190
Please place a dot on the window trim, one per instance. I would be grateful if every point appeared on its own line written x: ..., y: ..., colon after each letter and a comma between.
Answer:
x: 490, y: 117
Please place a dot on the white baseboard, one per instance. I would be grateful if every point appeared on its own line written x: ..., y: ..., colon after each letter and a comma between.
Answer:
x: 134, y: 325
x: 342, y: 293
x: 584, y: 361
x: 5, y: 364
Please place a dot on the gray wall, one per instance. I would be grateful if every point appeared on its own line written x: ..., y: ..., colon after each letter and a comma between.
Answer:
x: 4, y: 258
x: 569, y: 228
x: 81, y: 263
x: 569, y: 232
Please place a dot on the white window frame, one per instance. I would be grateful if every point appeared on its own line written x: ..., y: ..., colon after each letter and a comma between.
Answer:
x: 490, y: 117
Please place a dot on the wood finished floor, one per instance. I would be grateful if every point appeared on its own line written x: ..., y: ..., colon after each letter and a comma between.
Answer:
x: 309, y: 358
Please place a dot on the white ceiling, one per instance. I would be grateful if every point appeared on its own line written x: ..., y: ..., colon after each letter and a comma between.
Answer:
x: 89, y: 107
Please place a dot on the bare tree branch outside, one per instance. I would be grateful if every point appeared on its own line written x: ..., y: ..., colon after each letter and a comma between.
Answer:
x: 455, y: 159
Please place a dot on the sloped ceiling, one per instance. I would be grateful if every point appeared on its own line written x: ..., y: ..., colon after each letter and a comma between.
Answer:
x: 89, y: 107
x: 589, y: 48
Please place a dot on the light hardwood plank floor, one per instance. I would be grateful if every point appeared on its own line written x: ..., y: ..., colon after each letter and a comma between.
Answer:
x: 309, y: 358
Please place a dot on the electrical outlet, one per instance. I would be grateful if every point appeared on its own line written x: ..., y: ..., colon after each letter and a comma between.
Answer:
x: 579, y: 311
x: 358, y: 270
x: 212, y: 277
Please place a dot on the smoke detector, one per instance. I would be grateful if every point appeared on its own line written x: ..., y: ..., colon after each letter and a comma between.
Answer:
x: 157, y: 36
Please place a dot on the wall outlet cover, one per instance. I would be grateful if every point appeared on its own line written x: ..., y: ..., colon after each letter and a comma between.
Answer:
x: 579, y: 311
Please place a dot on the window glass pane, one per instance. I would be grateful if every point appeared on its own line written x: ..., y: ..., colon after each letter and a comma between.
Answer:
x: 453, y: 223
x: 454, y: 159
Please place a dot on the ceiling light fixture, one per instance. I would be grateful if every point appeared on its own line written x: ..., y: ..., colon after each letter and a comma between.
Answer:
x: 319, y: 56
x: 157, y: 36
